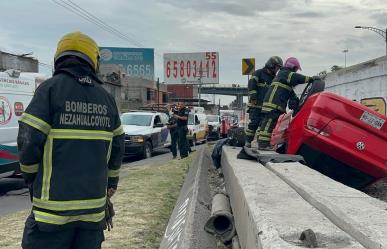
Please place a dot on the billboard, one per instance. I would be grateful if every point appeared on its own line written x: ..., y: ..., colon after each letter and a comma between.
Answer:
x: 129, y: 62
x: 191, y: 68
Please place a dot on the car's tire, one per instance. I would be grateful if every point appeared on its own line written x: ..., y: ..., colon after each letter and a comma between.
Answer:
x: 147, y: 152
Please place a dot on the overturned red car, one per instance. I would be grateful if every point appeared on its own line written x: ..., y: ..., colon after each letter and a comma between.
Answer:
x: 336, y: 136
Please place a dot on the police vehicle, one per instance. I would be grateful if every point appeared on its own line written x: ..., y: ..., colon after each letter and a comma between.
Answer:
x: 145, y: 131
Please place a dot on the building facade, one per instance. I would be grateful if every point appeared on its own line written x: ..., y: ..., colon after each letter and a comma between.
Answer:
x: 22, y: 63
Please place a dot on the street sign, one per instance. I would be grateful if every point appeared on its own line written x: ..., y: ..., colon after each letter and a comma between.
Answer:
x: 248, y: 66
x: 191, y: 68
x: 133, y: 62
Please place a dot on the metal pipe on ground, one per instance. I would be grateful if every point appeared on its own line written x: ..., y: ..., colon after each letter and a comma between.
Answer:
x: 221, y: 222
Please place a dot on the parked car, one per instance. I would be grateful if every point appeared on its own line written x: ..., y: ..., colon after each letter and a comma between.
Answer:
x: 145, y: 131
x: 197, y: 128
x: 341, y: 138
x: 214, y: 124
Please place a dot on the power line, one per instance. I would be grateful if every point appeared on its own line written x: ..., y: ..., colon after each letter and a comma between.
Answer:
x: 81, y: 12
x: 94, y: 20
x: 105, y: 24
x: 87, y: 18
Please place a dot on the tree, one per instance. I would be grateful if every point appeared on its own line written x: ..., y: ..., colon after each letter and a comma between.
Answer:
x: 322, y: 74
x: 335, y: 68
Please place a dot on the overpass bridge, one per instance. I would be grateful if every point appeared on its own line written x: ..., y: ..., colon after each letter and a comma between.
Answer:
x: 231, y: 90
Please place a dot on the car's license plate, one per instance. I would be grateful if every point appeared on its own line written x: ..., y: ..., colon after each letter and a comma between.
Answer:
x: 372, y: 120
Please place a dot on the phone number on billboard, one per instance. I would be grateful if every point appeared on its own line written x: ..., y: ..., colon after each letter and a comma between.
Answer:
x: 192, y: 68
x: 139, y: 70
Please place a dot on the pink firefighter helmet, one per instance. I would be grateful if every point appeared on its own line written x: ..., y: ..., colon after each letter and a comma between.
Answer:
x: 292, y: 63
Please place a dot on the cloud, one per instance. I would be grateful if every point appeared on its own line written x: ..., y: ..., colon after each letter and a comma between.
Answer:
x: 231, y: 7
x: 315, y: 31
x: 309, y: 14
x: 380, y: 16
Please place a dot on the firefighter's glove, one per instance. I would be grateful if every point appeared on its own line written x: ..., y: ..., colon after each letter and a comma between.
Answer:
x: 293, y: 103
x: 109, y: 214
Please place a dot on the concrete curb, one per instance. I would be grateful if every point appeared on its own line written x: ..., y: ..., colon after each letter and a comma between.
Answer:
x: 192, y: 209
x: 270, y: 214
x: 351, y: 210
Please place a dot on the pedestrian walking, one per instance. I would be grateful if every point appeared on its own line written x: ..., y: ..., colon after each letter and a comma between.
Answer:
x: 71, y: 144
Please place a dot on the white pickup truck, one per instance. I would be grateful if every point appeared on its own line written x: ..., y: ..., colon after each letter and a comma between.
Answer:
x: 16, y: 91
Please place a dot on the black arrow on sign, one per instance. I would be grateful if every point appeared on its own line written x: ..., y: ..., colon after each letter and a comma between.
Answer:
x: 250, y: 66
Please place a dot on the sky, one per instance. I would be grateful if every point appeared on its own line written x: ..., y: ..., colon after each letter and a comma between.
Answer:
x: 314, y: 31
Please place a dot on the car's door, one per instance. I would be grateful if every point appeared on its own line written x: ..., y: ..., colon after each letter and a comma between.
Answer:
x: 156, y: 131
x: 165, y: 135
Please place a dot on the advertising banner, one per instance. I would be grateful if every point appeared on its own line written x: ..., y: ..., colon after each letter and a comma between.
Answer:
x: 128, y: 62
x: 191, y: 68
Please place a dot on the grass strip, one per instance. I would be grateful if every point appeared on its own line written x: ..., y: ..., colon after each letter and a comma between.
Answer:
x: 143, y: 203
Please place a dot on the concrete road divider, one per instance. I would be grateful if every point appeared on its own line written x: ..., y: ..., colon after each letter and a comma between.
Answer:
x: 351, y: 210
x: 268, y: 213
x: 185, y: 226
x: 235, y: 243
x: 221, y: 222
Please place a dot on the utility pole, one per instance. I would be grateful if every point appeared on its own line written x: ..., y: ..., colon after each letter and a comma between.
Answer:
x: 345, y: 51
x: 158, y: 92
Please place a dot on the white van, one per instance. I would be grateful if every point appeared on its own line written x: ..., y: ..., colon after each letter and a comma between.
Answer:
x: 16, y: 91
x: 197, y: 127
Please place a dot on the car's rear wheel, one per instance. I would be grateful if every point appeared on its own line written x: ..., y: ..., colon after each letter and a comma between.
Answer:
x: 147, y: 153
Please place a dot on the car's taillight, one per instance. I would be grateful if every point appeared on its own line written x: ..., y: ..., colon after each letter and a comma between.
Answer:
x: 318, y: 127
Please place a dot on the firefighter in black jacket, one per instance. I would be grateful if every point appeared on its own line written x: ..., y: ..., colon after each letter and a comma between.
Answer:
x: 71, y: 145
x: 257, y: 88
x: 277, y: 97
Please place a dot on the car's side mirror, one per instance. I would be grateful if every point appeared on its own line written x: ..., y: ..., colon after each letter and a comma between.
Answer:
x: 158, y: 125
x: 197, y: 122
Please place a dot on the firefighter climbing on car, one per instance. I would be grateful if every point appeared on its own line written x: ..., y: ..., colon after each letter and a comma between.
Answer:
x: 277, y: 97
x: 257, y: 88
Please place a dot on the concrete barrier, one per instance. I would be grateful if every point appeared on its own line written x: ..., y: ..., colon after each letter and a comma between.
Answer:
x: 269, y: 213
x: 192, y: 209
x: 351, y: 210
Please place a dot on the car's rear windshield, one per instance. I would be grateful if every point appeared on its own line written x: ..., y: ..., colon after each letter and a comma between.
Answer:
x: 212, y: 118
x: 136, y: 119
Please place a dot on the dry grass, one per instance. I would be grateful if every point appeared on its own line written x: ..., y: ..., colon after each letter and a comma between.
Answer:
x: 143, y: 203
x: 11, y: 231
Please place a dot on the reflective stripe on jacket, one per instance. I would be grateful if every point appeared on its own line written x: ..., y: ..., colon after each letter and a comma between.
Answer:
x: 281, y: 89
x: 257, y: 87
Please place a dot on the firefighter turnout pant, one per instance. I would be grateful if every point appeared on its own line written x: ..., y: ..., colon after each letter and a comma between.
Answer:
x: 69, y: 238
x: 183, y: 142
x: 268, y: 124
x: 255, y: 117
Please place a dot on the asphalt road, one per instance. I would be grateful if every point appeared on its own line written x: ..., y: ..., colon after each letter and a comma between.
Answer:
x: 14, y: 195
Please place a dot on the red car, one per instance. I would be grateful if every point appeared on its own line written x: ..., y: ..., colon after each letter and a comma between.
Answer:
x: 336, y: 136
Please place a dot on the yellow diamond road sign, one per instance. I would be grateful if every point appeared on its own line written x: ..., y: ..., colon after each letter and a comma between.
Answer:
x: 248, y: 66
